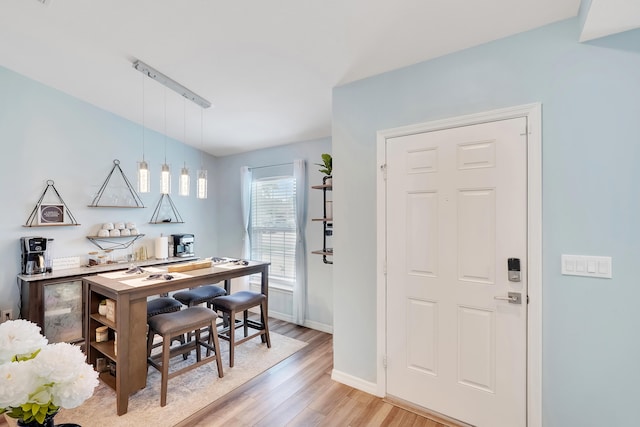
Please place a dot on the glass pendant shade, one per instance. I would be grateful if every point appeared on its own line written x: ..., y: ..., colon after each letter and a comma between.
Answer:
x: 185, y: 181
x: 144, y: 183
x: 202, y: 184
x: 165, y: 179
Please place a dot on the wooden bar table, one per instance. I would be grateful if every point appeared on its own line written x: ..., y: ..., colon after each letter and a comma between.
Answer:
x: 126, y: 344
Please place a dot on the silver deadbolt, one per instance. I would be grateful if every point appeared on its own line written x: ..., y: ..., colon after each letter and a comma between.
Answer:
x: 512, y: 297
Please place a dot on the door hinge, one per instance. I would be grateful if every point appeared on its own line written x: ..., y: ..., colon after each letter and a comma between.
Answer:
x: 527, y: 299
x: 383, y: 169
x: 384, y: 361
x: 384, y: 267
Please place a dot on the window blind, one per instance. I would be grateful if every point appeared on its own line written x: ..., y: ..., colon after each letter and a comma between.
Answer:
x: 273, y: 226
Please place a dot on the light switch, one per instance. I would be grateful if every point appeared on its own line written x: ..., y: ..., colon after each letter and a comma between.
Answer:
x: 603, y: 267
x: 570, y: 265
x: 584, y: 265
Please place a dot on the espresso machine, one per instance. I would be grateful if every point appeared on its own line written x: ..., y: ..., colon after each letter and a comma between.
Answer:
x: 183, y: 245
x: 34, y: 255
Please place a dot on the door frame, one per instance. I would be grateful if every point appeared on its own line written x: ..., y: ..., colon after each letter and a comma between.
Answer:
x: 533, y: 113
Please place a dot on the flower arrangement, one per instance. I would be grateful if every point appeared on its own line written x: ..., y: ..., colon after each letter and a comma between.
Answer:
x: 37, y: 378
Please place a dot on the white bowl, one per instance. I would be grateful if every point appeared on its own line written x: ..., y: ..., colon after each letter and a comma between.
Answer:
x: 119, y: 225
x: 114, y: 233
x: 131, y: 225
x: 134, y: 231
x: 107, y: 226
x: 125, y: 232
x: 103, y: 233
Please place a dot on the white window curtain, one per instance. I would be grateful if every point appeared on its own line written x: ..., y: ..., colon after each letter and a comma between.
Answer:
x: 300, y: 286
x: 245, y: 200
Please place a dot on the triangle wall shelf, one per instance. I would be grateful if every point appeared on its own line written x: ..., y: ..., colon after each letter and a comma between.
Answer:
x: 50, y: 215
x: 130, y: 191
x: 174, y: 216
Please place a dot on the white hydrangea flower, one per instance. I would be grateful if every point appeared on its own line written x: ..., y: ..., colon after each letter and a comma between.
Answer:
x: 19, y: 337
x: 72, y: 394
x: 17, y: 381
x: 64, y: 365
x: 59, y: 362
x: 57, y: 374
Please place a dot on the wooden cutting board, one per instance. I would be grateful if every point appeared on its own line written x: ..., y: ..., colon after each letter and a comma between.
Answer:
x: 194, y: 265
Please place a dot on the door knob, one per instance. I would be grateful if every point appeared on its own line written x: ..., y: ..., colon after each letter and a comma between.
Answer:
x: 512, y: 297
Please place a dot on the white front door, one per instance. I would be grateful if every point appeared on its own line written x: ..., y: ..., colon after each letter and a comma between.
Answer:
x: 456, y: 212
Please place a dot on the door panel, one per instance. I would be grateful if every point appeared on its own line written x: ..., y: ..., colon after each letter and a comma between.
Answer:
x: 476, y: 235
x: 421, y: 353
x: 422, y: 216
x: 476, y: 348
x: 456, y: 211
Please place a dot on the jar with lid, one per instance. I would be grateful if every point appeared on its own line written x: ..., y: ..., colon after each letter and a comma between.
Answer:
x: 93, y: 259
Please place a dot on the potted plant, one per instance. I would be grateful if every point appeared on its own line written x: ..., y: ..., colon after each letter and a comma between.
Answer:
x: 37, y: 378
x: 327, y: 167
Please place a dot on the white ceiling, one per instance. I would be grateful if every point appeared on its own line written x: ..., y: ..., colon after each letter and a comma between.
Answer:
x: 267, y: 66
x: 606, y: 17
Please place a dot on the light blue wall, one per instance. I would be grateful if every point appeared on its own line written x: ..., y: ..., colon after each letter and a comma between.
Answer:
x: 590, y: 95
x: 320, y: 287
x: 46, y: 134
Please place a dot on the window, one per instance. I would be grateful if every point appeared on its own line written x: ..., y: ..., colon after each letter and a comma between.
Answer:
x: 273, y: 227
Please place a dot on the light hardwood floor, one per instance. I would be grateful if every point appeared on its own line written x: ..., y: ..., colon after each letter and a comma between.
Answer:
x: 299, y: 392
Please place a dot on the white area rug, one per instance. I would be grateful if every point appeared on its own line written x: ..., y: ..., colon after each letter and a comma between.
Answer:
x: 186, y: 393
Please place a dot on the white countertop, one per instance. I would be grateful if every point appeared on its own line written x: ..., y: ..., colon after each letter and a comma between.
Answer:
x: 86, y: 271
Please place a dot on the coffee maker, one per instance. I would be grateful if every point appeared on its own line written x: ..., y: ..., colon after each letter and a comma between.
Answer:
x: 182, y: 245
x: 34, y: 253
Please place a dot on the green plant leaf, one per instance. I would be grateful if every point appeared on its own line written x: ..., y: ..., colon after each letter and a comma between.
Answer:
x: 327, y: 164
x: 40, y: 417
x: 25, y: 357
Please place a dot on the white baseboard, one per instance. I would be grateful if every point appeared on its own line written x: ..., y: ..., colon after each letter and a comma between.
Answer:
x: 307, y: 323
x: 319, y: 326
x: 357, y: 383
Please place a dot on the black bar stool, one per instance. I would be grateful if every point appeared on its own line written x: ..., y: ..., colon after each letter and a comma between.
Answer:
x: 162, y: 305
x: 174, y: 324
x: 238, y: 302
x: 199, y: 295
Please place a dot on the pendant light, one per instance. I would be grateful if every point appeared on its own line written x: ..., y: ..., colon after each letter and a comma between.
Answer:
x: 144, y: 185
x: 165, y: 171
x: 185, y: 179
x: 201, y: 192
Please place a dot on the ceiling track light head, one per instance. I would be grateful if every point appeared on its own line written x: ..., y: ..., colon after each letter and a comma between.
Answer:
x: 170, y: 83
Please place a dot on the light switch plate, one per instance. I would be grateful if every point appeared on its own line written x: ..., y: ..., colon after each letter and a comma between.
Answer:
x: 588, y: 266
